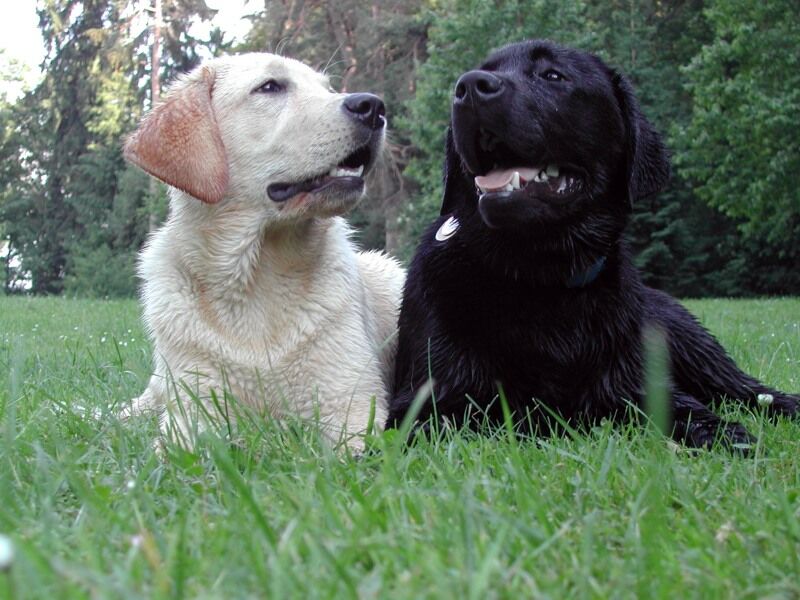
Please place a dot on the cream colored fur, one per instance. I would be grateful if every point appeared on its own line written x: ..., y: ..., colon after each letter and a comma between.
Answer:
x: 271, y: 302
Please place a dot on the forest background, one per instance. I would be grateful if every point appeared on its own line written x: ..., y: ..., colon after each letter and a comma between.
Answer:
x: 720, y: 79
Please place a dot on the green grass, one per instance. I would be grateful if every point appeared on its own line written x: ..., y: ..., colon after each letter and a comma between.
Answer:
x: 93, y: 512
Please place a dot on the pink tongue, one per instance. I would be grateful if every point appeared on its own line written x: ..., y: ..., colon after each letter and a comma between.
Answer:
x: 495, y: 180
x: 500, y: 178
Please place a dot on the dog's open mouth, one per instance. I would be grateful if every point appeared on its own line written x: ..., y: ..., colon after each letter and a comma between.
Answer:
x: 348, y: 175
x: 550, y: 182
x: 545, y: 179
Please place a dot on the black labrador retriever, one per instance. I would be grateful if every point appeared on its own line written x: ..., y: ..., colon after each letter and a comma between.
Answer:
x: 525, y: 282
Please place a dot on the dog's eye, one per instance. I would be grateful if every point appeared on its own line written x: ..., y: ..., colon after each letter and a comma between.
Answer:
x: 269, y: 87
x: 552, y: 75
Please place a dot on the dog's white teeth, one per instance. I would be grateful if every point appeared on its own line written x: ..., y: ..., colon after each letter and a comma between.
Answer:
x: 552, y: 171
x: 562, y: 186
x: 515, y: 183
x: 540, y: 177
x: 508, y: 188
x: 339, y: 172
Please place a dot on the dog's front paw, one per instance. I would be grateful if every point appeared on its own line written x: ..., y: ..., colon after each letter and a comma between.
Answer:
x: 736, y: 438
x: 141, y: 405
x: 730, y: 435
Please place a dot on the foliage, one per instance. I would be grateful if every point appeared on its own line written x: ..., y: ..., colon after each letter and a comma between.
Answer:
x: 86, y: 102
x: 93, y: 511
x: 741, y: 147
x: 10, y: 169
x: 74, y: 214
x: 719, y: 79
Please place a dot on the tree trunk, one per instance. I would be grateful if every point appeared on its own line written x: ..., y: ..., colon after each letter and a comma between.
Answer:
x: 155, y: 90
x: 343, y: 34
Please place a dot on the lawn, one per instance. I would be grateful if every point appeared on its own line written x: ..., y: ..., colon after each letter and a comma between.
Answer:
x: 93, y: 511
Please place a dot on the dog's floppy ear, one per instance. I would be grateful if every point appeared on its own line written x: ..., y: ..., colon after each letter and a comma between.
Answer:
x: 648, y: 165
x: 179, y: 141
x: 457, y: 186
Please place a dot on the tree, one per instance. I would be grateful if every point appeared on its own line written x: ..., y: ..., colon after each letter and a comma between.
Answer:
x: 10, y: 169
x: 75, y: 213
x: 741, y: 148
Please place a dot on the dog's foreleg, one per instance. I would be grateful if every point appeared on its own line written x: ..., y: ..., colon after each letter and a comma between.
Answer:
x: 701, y: 367
x: 144, y: 404
x: 194, y: 403
x: 347, y: 426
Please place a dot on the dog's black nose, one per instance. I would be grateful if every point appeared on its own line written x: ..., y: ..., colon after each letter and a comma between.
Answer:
x: 478, y: 86
x: 366, y: 108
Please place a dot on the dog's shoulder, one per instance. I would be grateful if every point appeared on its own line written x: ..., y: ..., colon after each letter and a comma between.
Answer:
x: 377, y: 266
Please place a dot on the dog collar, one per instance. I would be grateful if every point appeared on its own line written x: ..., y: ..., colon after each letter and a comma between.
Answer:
x: 586, y: 277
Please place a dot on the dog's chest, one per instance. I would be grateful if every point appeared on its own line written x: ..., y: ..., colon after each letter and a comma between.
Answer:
x: 523, y: 334
x: 502, y: 318
x: 270, y: 326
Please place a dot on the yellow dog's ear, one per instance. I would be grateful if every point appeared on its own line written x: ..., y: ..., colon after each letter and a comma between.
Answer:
x: 179, y: 141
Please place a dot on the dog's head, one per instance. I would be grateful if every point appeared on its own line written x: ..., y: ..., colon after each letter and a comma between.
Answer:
x: 265, y: 130
x: 545, y: 136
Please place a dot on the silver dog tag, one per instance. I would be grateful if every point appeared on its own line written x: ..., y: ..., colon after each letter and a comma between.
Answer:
x: 447, y: 230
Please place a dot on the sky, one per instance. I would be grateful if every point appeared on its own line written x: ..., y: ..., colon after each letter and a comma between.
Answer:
x: 21, y: 41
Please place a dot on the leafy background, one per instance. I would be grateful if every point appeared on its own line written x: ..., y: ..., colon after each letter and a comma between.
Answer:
x: 719, y: 78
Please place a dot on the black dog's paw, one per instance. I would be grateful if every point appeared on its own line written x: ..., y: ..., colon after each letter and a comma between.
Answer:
x: 705, y: 434
x: 736, y: 438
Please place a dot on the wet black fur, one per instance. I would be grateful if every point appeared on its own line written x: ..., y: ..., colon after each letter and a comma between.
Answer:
x: 491, y: 305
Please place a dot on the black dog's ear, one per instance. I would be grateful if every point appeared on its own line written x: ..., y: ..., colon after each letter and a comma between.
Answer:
x: 457, y: 187
x: 648, y: 165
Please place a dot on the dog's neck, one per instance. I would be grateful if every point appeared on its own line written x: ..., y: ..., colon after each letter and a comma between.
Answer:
x: 231, y: 251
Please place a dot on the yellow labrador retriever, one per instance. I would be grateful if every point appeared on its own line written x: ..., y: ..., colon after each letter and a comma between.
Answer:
x: 252, y: 286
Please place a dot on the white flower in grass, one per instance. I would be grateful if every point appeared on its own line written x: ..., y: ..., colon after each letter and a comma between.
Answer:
x: 724, y: 532
x: 764, y: 400
x: 6, y: 552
